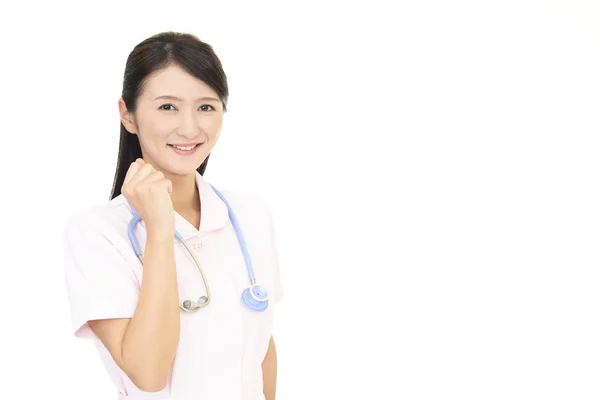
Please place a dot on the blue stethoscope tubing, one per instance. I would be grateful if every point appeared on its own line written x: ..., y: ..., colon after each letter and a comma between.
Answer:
x: 255, y: 297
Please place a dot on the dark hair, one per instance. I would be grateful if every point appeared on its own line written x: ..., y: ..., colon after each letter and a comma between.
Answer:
x: 155, y: 53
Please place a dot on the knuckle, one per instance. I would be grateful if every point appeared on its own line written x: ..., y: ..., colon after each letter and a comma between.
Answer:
x: 153, y: 189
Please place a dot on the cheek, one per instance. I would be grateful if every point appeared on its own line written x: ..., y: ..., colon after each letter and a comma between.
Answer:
x: 153, y: 129
x: 212, y: 126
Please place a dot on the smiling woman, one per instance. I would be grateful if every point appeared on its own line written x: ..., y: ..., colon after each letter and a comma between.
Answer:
x: 174, y: 84
x: 183, y: 124
x: 130, y: 301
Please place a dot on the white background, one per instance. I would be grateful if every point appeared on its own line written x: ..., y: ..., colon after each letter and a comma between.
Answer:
x: 432, y: 166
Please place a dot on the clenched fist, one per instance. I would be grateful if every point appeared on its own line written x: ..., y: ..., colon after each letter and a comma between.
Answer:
x: 149, y: 193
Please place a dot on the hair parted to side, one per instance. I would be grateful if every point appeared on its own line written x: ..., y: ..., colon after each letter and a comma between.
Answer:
x: 155, y: 53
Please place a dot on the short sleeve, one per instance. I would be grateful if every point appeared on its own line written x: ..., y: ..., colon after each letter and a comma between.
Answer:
x: 278, y: 292
x: 100, y: 283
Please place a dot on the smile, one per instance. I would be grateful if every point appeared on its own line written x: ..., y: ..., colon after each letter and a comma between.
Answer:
x: 184, y: 149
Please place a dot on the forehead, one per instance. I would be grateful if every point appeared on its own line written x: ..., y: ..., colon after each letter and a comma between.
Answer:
x: 175, y: 81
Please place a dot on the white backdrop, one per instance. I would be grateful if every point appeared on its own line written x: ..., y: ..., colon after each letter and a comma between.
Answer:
x: 432, y: 167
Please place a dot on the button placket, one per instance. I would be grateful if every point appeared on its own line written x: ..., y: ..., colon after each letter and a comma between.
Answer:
x: 199, y: 242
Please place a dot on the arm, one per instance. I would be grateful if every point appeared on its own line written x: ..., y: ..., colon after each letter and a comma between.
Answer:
x: 144, y: 346
x: 269, y: 369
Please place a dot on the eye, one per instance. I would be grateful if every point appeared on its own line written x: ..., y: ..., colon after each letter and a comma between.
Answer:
x: 203, y: 107
x: 167, y: 107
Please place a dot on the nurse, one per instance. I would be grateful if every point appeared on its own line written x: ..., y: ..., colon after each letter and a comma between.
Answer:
x: 132, y: 308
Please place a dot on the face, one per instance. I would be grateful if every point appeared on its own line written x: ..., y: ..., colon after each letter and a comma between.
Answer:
x: 178, y: 121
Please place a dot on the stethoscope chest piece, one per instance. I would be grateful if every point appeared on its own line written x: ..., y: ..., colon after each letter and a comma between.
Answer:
x: 256, y: 298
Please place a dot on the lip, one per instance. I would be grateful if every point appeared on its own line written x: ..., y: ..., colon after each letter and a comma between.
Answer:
x: 185, y: 152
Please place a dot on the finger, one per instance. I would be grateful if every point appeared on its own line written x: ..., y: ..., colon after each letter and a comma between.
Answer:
x: 158, y: 182
x: 142, y: 173
x: 158, y: 186
x: 167, y: 185
x: 133, y: 168
x: 154, y: 176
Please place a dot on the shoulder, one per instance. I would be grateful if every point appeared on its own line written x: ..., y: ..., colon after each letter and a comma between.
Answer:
x: 252, y: 211
x: 96, y: 220
x: 248, y: 203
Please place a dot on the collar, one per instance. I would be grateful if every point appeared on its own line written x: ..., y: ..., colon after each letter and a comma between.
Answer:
x: 213, y: 212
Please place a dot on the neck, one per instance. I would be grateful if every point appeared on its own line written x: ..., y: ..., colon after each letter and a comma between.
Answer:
x: 185, y: 195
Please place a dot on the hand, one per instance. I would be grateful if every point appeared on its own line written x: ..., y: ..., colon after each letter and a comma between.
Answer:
x: 149, y: 193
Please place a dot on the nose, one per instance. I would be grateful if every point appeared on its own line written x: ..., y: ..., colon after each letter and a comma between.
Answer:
x: 188, y: 125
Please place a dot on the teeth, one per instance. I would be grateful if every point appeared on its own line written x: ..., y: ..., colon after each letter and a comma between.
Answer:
x: 184, y: 148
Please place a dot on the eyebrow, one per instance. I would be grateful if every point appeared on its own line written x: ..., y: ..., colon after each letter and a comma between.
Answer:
x: 169, y: 97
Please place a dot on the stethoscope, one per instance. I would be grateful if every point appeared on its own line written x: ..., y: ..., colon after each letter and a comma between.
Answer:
x: 254, y: 297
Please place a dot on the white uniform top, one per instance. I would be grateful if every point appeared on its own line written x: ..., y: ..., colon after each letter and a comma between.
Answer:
x: 222, y: 345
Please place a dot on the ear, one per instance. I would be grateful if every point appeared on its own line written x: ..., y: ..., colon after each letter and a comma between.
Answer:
x: 127, y: 117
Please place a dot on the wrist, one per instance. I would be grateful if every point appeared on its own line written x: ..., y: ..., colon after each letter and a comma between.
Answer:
x: 159, y: 234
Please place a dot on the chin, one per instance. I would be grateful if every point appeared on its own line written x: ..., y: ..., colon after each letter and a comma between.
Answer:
x: 180, y: 168
x: 183, y: 165
x: 182, y: 171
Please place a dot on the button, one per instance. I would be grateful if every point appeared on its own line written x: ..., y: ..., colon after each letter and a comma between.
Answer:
x: 198, y: 245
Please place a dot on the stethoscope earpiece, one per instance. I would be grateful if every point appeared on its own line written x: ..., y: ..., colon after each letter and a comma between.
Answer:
x: 256, y: 298
x: 190, y: 305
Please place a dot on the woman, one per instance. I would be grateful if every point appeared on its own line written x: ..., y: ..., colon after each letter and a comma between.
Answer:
x: 154, y: 343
